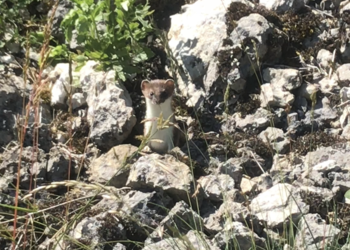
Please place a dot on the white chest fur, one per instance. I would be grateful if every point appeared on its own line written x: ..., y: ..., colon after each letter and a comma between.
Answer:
x: 161, y: 140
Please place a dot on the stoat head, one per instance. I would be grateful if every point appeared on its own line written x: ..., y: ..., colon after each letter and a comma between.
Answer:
x: 158, y: 91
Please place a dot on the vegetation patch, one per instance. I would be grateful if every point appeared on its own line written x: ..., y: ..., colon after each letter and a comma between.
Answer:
x: 311, y: 141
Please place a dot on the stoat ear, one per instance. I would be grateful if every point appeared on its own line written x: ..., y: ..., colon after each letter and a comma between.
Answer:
x: 170, y: 83
x: 144, y: 84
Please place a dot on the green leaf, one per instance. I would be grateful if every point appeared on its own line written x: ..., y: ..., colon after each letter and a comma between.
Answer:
x: 125, y: 5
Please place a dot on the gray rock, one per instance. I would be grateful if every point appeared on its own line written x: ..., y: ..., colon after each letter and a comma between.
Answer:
x: 119, y: 246
x: 11, y: 103
x: 181, y: 217
x: 199, y: 241
x: 33, y: 166
x: 253, y: 27
x: 109, y: 168
x: 345, y: 94
x: 324, y: 59
x: 168, y: 243
x: 322, y: 113
x: 5, y: 180
x: 253, y: 123
x: 338, y: 153
x: 110, y: 112
x: 194, y: 44
x: 215, y: 187
x: 346, y: 132
x: 263, y: 182
x: 285, y: 164
x: 342, y: 75
x: 247, y: 185
x: 278, y: 205
x: 78, y: 100
x: 282, y: 6
x: 98, y: 230
x: 232, y: 168
x: 229, y: 211
x: 236, y: 236
x: 137, y: 209
x: 326, y: 166
x: 275, y: 96
x: 7, y: 59
x: 288, y: 79
x: 275, y: 137
x: 62, y: 10
x: 342, y: 180
x: 59, y: 162
x: 161, y: 172
x: 313, y: 233
x: 252, y: 31
x: 307, y: 90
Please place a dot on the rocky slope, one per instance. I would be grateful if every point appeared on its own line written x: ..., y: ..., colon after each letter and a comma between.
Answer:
x: 263, y: 93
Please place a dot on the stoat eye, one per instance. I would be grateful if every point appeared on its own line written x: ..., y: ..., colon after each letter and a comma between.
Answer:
x: 151, y: 94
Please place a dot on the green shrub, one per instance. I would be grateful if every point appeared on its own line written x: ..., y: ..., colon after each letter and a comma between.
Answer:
x: 110, y: 31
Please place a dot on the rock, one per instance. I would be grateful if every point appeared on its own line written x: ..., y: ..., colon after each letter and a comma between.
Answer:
x: 247, y: 185
x: 263, y: 182
x: 137, y: 209
x: 12, y: 93
x: 253, y: 32
x: 338, y: 153
x: 181, y: 217
x: 313, y: 233
x: 345, y: 94
x: 276, y: 139
x: 254, y: 27
x: 230, y: 211
x: 161, y: 172
x: 7, y: 59
x: 275, y: 96
x: 324, y: 59
x: 194, y: 38
x: 342, y: 75
x: 346, y: 132
x: 215, y: 187
x: 168, y: 243
x: 59, y: 162
x: 341, y: 180
x: 318, y: 198
x: 64, y: 6
x: 321, y: 115
x: 198, y: 240
x: 98, y: 230
x: 283, y: 165
x: 288, y: 79
x: 282, y: 6
x: 33, y: 166
x: 326, y: 166
x: 110, y: 112
x: 328, y: 85
x: 253, y: 123
x: 236, y: 234
x: 276, y: 206
x: 109, y: 168
x: 44, y: 118
x: 308, y: 90
x: 78, y: 101
x: 232, y: 168
x: 119, y: 246
x: 61, y: 87
x: 5, y: 180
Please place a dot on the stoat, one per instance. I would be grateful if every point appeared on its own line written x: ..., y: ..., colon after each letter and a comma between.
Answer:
x: 158, y: 95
